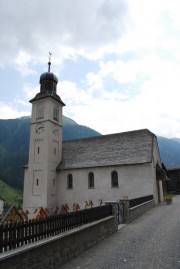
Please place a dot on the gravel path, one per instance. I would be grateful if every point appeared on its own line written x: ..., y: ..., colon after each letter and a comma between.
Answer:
x: 150, y: 242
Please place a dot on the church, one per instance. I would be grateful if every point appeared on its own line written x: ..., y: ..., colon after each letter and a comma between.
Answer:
x: 91, y: 170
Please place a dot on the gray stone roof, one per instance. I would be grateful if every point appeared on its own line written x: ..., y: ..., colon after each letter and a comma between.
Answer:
x: 116, y: 149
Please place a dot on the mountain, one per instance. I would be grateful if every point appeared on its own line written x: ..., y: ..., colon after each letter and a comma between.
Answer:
x: 12, y: 196
x: 72, y: 130
x: 176, y: 139
x: 14, y: 143
x: 14, y: 146
x: 169, y: 151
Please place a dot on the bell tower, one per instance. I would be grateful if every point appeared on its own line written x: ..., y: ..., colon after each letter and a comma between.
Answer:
x: 45, y: 147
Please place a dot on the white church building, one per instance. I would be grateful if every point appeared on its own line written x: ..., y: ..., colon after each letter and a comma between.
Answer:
x: 96, y: 169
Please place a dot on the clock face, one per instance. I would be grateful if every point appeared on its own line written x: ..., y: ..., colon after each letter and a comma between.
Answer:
x: 39, y: 128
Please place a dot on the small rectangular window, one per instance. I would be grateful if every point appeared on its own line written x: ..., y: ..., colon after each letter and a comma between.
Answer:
x: 114, y: 179
x: 91, y: 180
x: 70, y: 181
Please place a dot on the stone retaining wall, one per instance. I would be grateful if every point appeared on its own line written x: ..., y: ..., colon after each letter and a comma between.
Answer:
x: 54, y: 251
x: 131, y: 214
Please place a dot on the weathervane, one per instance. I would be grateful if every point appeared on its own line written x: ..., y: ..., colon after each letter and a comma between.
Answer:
x: 49, y: 63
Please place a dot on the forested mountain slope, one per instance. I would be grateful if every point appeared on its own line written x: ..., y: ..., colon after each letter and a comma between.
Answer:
x: 14, y: 146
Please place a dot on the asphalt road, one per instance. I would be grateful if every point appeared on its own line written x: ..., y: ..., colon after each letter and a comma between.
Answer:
x: 150, y: 242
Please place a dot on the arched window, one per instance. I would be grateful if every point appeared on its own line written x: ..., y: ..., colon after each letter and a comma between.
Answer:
x: 38, y: 150
x: 114, y: 179
x: 37, y: 182
x: 91, y: 180
x: 69, y: 181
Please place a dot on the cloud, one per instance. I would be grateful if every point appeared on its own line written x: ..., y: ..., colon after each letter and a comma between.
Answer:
x: 21, y: 102
x: 29, y: 29
x: 8, y: 112
x: 22, y: 62
x: 30, y: 91
x: 134, y: 45
x: 144, y: 97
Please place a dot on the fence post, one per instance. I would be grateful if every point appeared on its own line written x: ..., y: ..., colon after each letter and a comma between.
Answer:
x: 14, y: 234
x: 1, y: 238
x: 126, y: 210
x: 114, y: 208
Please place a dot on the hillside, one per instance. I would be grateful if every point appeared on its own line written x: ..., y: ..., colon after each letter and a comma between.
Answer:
x: 11, y: 195
x: 14, y: 146
x: 169, y: 151
x: 176, y: 139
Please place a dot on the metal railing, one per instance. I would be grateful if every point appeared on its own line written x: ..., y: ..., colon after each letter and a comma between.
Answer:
x: 140, y: 200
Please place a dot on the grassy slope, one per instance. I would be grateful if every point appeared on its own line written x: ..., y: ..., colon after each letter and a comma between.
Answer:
x: 10, y: 195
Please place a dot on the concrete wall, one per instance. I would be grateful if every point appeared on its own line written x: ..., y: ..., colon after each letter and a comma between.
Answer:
x: 51, y: 253
x: 134, y: 181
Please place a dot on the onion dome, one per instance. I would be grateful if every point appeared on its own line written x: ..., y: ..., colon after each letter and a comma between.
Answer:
x: 48, y: 85
x: 48, y: 76
x: 48, y: 81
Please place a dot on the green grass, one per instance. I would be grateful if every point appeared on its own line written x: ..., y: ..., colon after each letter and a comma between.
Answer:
x: 10, y: 195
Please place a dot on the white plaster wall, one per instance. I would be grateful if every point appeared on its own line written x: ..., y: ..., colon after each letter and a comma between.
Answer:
x: 156, y: 159
x: 134, y: 181
x: 42, y: 165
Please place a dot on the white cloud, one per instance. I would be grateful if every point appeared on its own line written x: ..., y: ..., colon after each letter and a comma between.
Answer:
x: 21, y: 102
x: 94, y: 81
x: 30, y: 91
x: 68, y: 28
x: 150, y: 104
x: 22, y: 62
x: 8, y: 112
x: 138, y: 87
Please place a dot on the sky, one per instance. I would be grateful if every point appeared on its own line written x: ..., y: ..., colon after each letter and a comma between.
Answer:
x: 118, y: 62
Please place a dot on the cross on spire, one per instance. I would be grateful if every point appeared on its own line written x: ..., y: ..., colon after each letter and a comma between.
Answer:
x: 49, y: 63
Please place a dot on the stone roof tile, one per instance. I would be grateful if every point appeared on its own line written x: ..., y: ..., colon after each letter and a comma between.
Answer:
x: 116, y: 149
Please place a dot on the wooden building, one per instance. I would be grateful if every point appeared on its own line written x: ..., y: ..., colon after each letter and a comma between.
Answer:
x: 173, y: 186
